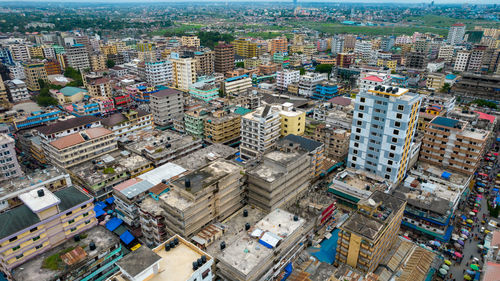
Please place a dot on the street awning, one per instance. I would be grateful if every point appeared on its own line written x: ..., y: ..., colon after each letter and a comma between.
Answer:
x: 113, y: 223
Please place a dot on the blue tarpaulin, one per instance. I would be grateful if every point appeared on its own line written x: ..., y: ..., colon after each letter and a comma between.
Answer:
x: 463, y: 217
x: 98, y: 212
x: 239, y: 159
x: 265, y: 244
x: 288, y: 271
x: 113, y: 223
x: 446, y: 175
x: 494, y: 189
x: 110, y: 200
x: 497, y: 200
x: 480, y: 184
x: 127, y: 237
x: 100, y: 205
x: 498, y: 139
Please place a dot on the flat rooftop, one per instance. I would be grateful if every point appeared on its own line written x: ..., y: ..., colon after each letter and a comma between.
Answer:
x: 10, y: 187
x: 177, y: 264
x: 39, y: 199
x: 383, y: 207
x: 157, y: 142
x: 206, y: 176
x: 359, y: 179
x: 33, y: 270
x: 246, y: 252
x: 205, y: 155
x: 268, y: 171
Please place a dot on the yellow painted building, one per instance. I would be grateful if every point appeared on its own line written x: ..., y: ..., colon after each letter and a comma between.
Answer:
x: 43, y: 221
x: 391, y: 64
x: 35, y: 71
x: 3, y: 92
x: 190, y: 41
x: 369, y: 233
x: 109, y: 49
x: 35, y: 51
x: 245, y: 48
x: 222, y: 127
x: 435, y: 81
x: 144, y: 47
x: 98, y: 62
x: 292, y: 120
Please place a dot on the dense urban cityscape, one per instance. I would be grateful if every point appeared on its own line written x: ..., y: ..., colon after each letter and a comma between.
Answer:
x: 249, y: 141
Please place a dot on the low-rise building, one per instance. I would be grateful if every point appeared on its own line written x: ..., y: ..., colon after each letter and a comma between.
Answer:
x: 435, y: 81
x: 17, y: 90
x: 36, y: 118
x: 325, y: 90
x: 308, y: 82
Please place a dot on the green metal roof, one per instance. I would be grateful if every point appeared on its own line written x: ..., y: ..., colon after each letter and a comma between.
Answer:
x: 344, y: 195
x: 242, y: 110
x: 16, y: 219
x: 70, y: 197
x: 71, y: 91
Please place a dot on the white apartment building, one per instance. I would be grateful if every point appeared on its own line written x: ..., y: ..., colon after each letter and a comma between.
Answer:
x: 48, y: 52
x: 184, y: 72
x: 259, y: 132
x: 237, y: 85
x: 308, y: 82
x: 456, y: 34
x: 286, y: 77
x: 363, y: 49
x: 9, y: 167
x: 383, y: 128
x: 461, y: 61
x: 369, y: 80
x: 20, y: 52
x: 158, y: 72
x: 17, y: 90
x: 17, y: 71
x: 337, y: 44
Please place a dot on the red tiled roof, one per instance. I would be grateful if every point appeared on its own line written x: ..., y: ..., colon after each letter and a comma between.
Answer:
x: 485, y: 116
x: 458, y: 24
x: 373, y: 78
x: 340, y: 101
x: 76, y: 138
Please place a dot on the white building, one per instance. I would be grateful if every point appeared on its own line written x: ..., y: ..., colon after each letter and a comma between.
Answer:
x: 461, y: 61
x: 158, y: 72
x: 286, y: 77
x: 383, y: 128
x: 435, y: 65
x: 369, y: 80
x: 363, y: 49
x: 446, y: 52
x: 456, y: 34
x: 17, y: 71
x: 259, y: 132
x: 308, y: 82
x: 17, y: 90
x: 9, y: 167
x: 48, y: 52
x: 337, y: 44
x: 20, y: 52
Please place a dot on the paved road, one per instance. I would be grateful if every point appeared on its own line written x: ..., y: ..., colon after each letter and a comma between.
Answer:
x: 470, y: 249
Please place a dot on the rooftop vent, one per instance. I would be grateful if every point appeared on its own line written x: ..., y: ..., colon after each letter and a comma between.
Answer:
x: 167, y: 247
x: 176, y: 241
x: 222, y: 245
x: 40, y: 193
x: 245, y: 213
x: 247, y: 226
x: 295, y: 218
x: 195, y: 265
x: 187, y: 183
x: 92, y: 246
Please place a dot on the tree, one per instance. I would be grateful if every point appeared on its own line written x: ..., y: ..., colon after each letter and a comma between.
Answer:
x: 446, y: 88
x: 302, y: 71
x: 324, y: 68
x: 110, y: 63
x: 486, y: 103
x: 221, y: 93
x: 240, y: 64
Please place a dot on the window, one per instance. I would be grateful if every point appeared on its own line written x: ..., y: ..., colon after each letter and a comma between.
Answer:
x: 396, y: 132
x: 355, y: 151
x: 20, y: 256
x: 397, y: 124
x: 13, y: 239
x: 72, y: 229
x: 359, y: 123
x: 16, y: 248
x: 360, y: 115
x: 85, y: 214
x: 391, y: 155
x: 361, y: 107
x: 71, y: 221
x: 39, y: 246
x: 356, y: 137
x: 362, y: 100
x: 388, y: 177
x: 394, y: 140
x: 401, y: 107
x: 358, y: 130
x: 354, y: 158
x: 399, y: 115
x: 36, y: 238
x: 34, y: 229
x: 87, y: 221
x: 69, y: 213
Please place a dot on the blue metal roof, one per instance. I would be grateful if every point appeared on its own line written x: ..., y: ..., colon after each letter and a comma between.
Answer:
x: 127, y: 237
x: 236, y: 78
x: 113, y: 223
x: 443, y: 121
x: 110, y: 200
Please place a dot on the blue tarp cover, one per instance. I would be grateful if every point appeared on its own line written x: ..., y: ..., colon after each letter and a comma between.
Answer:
x: 100, y: 205
x: 265, y: 244
x: 494, y: 189
x: 98, y: 212
x: 446, y: 175
x: 127, y: 237
x: 113, y: 223
x: 110, y: 200
x: 463, y: 217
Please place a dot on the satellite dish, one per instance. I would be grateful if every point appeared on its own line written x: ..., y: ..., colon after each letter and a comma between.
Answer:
x: 371, y: 202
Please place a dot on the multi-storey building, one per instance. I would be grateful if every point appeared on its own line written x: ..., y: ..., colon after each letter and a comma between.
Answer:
x: 474, y: 86
x: 336, y: 141
x: 279, y: 44
x: 461, y: 60
x: 224, y: 58
x: 184, y: 72
x: 204, y: 91
x: 259, y: 132
x: 97, y: 85
x: 190, y: 41
x: 34, y: 71
x: 292, y: 120
x: 35, y: 51
x: 77, y: 57
x: 345, y: 59
x: 52, y: 67
x: 166, y: 105
x: 366, y: 236
x: 24, y: 121
x: 280, y: 178
x: 213, y: 192
x: 308, y: 82
x: 159, y: 72
x: 4, y: 98
x: 17, y: 90
x: 20, y: 52
x: 194, y: 123
x: 363, y: 49
x: 446, y: 52
x: 43, y: 221
x: 285, y: 78
x: 237, y: 85
x: 204, y: 62
x: 383, y: 127
x: 456, y: 34
x: 82, y: 146
x: 128, y: 122
x: 222, y: 127
x: 245, y: 47
x: 8, y: 160
x: 416, y: 60
x: 98, y: 62
x: 453, y: 144
x: 476, y: 57
x: 337, y: 45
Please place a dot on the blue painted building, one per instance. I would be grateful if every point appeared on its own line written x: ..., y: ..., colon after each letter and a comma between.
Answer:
x: 37, y: 118
x: 325, y: 91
